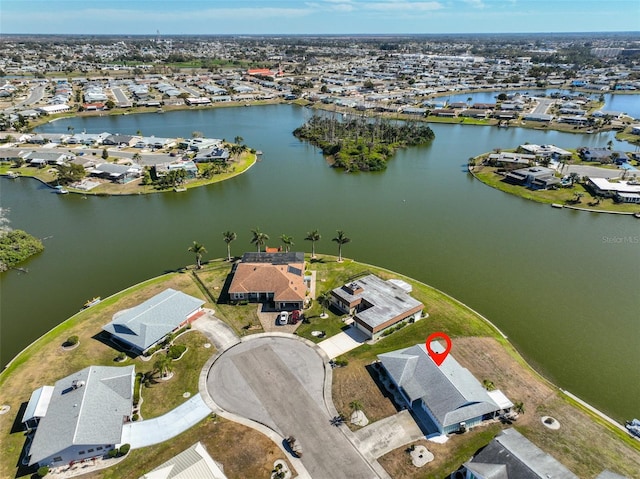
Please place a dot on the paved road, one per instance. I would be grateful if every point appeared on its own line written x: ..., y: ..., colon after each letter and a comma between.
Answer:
x: 35, y: 95
x: 543, y: 106
x: 121, y: 98
x: 279, y: 382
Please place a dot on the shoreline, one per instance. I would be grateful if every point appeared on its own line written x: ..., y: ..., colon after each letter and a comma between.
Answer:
x: 503, y: 338
x: 471, y: 168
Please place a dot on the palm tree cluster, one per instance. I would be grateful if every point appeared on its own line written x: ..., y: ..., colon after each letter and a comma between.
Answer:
x: 359, y: 143
x: 259, y: 238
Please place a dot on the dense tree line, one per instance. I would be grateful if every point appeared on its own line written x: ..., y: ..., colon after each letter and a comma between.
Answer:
x: 16, y: 246
x: 358, y: 144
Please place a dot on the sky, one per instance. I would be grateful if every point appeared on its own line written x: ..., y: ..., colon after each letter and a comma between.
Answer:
x: 146, y: 17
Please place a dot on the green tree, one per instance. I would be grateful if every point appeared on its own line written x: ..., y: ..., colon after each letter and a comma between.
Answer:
x: 238, y: 140
x: 518, y: 407
x: 196, y: 134
x: 341, y: 239
x: 163, y: 365
x: 229, y: 236
x: 324, y: 300
x: 105, y: 154
x: 197, y: 249
x: 110, y: 104
x: 313, y: 236
x: 259, y: 238
x: 66, y: 174
x: 287, y: 241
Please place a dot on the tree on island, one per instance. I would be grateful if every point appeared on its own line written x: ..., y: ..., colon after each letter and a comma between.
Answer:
x: 313, y: 236
x: 259, y: 238
x: 229, y: 236
x: 287, y: 241
x: 197, y: 249
x: 340, y: 239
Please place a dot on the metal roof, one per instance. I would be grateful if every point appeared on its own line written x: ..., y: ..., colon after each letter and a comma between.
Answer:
x: 38, y: 403
x: 388, y: 300
x: 91, y: 413
x: 147, y: 323
x: 192, y: 463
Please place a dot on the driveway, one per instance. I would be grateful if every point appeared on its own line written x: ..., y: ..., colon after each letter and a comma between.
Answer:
x: 343, y: 342
x: 388, y: 434
x: 154, y: 431
x: 280, y: 382
x: 217, y: 331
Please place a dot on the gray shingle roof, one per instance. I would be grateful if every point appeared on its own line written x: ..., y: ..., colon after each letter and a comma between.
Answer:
x: 147, y: 323
x: 522, y: 458
x: 450, y: 391
x: 90, y: 414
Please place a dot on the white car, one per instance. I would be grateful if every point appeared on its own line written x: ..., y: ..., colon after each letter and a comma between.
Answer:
x: 283, y: 318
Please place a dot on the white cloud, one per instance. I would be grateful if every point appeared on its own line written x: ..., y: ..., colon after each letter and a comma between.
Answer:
x: 475, y: 3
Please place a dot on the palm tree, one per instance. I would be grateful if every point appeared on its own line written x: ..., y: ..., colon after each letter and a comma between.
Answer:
x: 355, y: 405
x: 163, y: 365
x: 287, y: 241
x: 259, y: 238
x: 518, y: 407
x: 313, y: 236
x: 340, y: 239
x: 324, y: 300
x: 229, y: 236
x: 238, y: 140
x: 197, y: 249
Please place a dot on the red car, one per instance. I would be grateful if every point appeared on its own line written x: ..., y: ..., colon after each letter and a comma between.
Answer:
x: 295, y: 316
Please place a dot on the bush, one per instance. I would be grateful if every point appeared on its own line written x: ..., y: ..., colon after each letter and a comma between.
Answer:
x: 43, y: 471
x: 124, y: 449
x: 112, y: 453
x: 121, y: 357
x: 176, y: 351
x: 341, y: 362
x: 72, y: 340
x: 135, y: 417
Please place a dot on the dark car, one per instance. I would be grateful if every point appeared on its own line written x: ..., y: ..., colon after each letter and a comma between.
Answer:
x: 295, y: 316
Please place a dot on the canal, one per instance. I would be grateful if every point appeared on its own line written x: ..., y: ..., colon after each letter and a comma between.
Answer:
x: 562, y: 285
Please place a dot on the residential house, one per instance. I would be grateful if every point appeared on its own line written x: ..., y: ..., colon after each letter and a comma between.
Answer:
x: 510, y: 160
x: 621, y: 191
x: 510, y: 455
x: 121, y: 140
x: 546, y: 151
x: 116, y: 173
x: 276, y: 278
x: 191, y: 463
x: 447, y: 398
x: 42, y: 158
x: 376, y: 304
x: 603, y: 155
x: 212, y: 154
x: 81, y: 416
x: 145, y: 325
x: 535, y: 178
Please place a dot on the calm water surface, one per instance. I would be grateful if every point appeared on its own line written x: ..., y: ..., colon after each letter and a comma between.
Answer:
x: 562, y: 285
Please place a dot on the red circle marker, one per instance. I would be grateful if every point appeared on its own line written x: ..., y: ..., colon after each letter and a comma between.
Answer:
x: 438, y: 358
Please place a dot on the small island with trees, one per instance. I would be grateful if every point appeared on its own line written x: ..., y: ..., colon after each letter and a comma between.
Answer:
x: 361, y: 144
x: 16, y: 246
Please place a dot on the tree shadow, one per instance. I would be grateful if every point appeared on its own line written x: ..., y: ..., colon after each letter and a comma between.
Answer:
x: 374, y: 372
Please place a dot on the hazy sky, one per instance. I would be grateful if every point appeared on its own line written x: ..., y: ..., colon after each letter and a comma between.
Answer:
x: 317, y: 16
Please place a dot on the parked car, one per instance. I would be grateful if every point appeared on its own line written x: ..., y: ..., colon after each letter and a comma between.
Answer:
x: 295, y: 316
x: 283, y: 318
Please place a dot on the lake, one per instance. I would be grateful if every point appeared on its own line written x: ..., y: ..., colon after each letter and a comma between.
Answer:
x: 561, y: 284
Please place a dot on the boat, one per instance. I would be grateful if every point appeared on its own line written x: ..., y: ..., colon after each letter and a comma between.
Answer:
x: 61, y: 191
x: 556, y: 205
x: 179, y: 189
x: 92, y: 302
x: 636, y: 215
x: 13, y: 175
x: 633, y: 427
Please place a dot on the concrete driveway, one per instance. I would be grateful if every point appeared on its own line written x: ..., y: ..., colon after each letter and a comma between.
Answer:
x: 217, y: 331
x: 154, y: 431
x: 388, y: 434
x: 280, y: 382
x: 343, y: 342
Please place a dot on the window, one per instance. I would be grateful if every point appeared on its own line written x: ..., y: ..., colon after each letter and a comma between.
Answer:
x: 57, y: 459
x: 81, y: 453
x: 89, y: 450
x: 99, y: 448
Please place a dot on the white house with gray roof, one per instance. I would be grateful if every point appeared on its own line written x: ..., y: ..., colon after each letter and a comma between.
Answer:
x: 449, y: 394
x: 376, y: 304
x: 192, y: 463
x: 83, y: 416
x: 143, y: 326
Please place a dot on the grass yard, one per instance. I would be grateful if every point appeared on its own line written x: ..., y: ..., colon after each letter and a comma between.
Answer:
x: 162, y: 396
x: 28, y: 371
x: 243, y: 452
x: 563, y: 196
